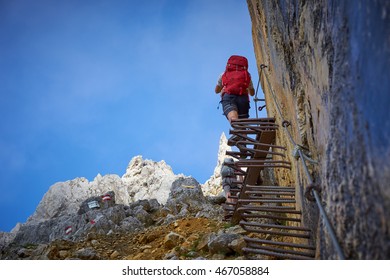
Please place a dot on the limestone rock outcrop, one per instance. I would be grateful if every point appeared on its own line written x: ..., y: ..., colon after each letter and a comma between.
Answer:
x: 213, y: 186
x: 144, y: 179
x: 147, y: 179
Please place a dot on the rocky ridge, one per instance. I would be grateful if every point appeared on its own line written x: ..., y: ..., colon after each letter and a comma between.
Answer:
x: 188, y: 226
x: 144, y: 179
x: 148, y: 198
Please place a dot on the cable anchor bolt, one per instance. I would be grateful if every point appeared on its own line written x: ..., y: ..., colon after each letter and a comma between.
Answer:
x: 286, y: 123
x: 309, y: 192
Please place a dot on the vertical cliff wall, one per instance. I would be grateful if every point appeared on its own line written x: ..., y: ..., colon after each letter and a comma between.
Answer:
x: 328, y: 64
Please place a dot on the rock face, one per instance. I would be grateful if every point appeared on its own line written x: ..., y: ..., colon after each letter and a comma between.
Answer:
x: 328, y: 65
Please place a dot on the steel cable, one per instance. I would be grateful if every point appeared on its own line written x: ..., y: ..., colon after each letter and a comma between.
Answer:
x: 313, y: 189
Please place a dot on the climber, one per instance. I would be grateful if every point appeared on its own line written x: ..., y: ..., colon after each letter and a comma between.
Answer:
x: 235, y: 86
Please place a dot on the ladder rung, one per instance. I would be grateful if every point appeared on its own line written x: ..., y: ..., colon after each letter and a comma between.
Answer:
x: 284, y: 251
x: 265, y: 209
x: 253, y: 130
x: 266, y: 192
x: 254, y: 224
x: 274, y: 254
x: 237, y: 182
x: 270, y: 242
x: 272, y: 232
x: 230, y: 203
x: 254, y: 120
x: 258, y: 161
x: 228, y: 208
x: 271, y: 207
x: 270, y: 188
x: 252, y: 124
x: 266, y: 165
x: 267, y: 200
x: 253, y: 215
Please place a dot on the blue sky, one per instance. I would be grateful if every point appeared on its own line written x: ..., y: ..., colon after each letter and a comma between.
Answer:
x: 87, y: 85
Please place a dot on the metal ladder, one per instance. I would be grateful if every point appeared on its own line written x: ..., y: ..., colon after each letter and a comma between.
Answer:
x: 268, y: 214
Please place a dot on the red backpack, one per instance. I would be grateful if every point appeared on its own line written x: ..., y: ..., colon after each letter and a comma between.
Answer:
x: 236, y: 77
